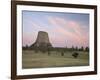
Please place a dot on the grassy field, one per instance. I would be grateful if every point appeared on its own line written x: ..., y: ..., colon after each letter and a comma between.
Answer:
x: 30, y: 59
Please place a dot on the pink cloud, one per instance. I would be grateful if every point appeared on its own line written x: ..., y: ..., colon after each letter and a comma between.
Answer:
x: 65, y: 32
x: 71, y: 29
x: 28, y: 39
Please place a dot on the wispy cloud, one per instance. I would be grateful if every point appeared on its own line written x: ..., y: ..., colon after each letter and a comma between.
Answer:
x: 62, y: 31
x: 72, y: 30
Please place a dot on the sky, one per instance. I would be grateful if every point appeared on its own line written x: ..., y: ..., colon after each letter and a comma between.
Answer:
x: 64, y: 29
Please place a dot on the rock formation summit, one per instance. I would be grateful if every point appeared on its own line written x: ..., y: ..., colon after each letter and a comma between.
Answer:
x: 42, y: 40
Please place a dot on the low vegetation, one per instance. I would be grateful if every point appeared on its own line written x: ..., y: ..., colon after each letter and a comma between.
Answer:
x: 54, y: 58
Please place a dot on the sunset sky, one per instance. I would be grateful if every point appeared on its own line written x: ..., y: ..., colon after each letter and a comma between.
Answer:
x: 64, y: 29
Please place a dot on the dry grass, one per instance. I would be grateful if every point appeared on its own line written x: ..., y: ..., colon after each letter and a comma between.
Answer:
x: 30, y: 59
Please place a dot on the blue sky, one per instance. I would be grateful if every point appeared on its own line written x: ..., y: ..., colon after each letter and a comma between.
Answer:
x: 64, y: 29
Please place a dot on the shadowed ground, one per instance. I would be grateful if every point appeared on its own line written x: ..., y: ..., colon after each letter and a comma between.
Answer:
x: 30, y: 59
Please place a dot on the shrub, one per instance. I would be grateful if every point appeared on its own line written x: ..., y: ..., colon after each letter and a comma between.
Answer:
x: 75, y: 54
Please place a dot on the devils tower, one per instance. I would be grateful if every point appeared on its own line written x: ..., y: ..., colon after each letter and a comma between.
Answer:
x: 42, y: 40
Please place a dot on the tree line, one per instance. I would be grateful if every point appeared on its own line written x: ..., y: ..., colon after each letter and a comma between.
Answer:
x: 64, y: 49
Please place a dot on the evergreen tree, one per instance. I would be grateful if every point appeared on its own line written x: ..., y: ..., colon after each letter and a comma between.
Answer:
x: 81, y: 49
x: 76, y: 48
x: 87, y: 49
